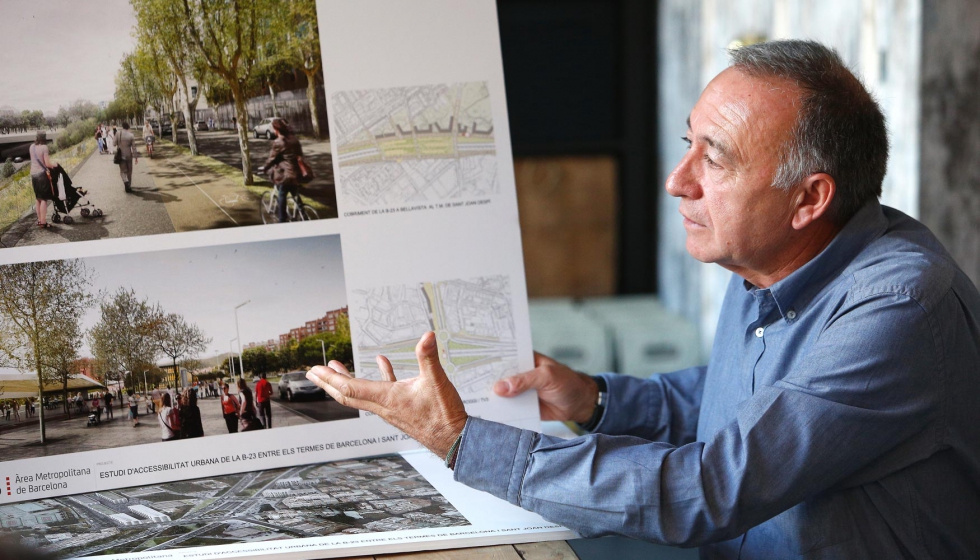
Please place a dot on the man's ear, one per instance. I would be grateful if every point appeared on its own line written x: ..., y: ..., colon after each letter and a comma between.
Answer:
x: 813, y: 199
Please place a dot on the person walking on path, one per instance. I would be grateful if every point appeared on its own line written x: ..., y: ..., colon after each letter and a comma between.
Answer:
x: 97, y: 407
x: 110, y: 140
x: 148, y: 138
x: 108, y: 405
x: 229, y: 409
x: 128, y: 155
x: 246, y: 413
x: 154, y: 398
x: 168, y: 432
x: 263, y: 396
x: 134, y: 411
x: 41, y: 166
x: 99, y: 141
x: 16, y: 408
x: 190, y: 415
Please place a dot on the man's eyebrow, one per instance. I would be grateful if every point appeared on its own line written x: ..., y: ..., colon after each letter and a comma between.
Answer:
x: 724, y: 151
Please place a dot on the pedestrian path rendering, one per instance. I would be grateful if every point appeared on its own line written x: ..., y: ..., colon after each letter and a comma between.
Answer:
x: 197, y: 197
x: 171, y: 193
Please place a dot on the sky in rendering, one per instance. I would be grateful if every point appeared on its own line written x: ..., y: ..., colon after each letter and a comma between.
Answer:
x: 53, y: 52
x: 288, y: 283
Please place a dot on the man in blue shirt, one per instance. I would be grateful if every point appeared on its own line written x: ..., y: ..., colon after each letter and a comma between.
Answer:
x: 839, y: 415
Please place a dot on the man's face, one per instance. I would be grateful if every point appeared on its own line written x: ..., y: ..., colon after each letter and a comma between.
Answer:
x: 732, y: 214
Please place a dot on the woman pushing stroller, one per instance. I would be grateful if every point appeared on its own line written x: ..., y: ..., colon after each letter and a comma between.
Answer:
x: 41, y: 166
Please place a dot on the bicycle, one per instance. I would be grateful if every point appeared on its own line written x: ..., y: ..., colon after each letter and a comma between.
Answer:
x: 296, y: 209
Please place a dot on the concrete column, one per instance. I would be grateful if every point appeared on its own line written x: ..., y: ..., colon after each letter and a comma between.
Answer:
x: 950, y: 175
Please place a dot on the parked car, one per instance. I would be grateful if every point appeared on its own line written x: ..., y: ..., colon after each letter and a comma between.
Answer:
x: 264, y: 128
x: 163, y: 130
x: 295, y: 384
x: 202, y: 125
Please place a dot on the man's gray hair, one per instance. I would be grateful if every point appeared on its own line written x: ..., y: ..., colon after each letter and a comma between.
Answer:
x: 840, y: 130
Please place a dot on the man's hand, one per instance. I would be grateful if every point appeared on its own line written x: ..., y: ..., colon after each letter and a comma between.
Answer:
x: 563, y: 394
x: 426, y: 407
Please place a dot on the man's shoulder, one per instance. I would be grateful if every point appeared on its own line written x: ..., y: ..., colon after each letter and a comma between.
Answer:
x: 907, y: 259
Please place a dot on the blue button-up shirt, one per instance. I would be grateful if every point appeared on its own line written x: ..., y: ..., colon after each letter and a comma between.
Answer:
x: 838, y: 417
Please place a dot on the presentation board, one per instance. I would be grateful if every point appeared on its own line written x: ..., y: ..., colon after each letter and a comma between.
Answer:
x: 158, y: 285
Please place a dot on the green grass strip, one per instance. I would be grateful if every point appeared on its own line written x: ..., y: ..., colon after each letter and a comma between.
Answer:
x: 259, y: 186
x: 17, y: 195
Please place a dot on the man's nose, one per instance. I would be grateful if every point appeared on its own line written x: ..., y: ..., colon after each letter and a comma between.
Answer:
x: 682, y: 181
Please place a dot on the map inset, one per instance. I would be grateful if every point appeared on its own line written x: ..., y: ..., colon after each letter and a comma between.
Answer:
x: 414, y: 144
x: 472, y: 319
x: 344, y: 497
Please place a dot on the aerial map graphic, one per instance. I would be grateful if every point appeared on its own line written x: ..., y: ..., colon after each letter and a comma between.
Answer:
x: 472, y: 319
x: 344, y: 497
x: 414, y: 144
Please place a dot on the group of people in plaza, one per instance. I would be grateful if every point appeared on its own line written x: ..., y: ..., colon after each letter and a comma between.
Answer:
x: 179, y: 417
x: 105, y: 138
x: 11, y: 409
x: 97, y: 403
x: 247, y: 412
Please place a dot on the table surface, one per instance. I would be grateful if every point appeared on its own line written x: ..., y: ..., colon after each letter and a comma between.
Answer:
x: 579, y: 549
x: 553, y: 550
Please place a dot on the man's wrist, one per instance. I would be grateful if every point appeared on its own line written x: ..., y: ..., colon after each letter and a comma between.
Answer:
x: 449, y: 436
x: 599, y: 407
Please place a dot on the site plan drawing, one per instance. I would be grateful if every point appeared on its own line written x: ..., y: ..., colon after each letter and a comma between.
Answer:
x: 472, y: 319
x: 414, y: 144
x: 344, y: 497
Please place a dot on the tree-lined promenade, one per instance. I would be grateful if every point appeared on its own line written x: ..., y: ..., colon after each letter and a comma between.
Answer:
x: 51, y: 311
x: 232, y: 51
x: 41, y: 310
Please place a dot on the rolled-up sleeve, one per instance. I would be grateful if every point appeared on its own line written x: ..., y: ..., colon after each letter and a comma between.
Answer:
x: 661, y: 408
x: 872, y: 381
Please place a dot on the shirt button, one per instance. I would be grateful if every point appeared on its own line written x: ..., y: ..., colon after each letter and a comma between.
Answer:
x: 759, y: 331
x: 791, y: 314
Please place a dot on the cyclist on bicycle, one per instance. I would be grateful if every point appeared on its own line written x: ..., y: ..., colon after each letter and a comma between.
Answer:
x: 148, y: 137
x: 282, y: 165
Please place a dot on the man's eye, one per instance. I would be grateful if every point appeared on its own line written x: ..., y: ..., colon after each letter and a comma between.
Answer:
x: 711, y: 163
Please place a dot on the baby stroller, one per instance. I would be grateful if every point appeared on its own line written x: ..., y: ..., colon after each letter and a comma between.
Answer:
x: 74, y: 197
x: 94, y: 419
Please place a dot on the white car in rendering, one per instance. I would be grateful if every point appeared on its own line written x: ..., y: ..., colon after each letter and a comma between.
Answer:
x: 295, y: 384
x: 264, y: 128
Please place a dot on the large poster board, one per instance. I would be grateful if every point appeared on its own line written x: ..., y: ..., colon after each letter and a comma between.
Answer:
x: 189, y: 274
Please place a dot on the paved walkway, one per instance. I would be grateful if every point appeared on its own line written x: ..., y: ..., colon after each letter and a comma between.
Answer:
x: 171, y: 193
x: 197, y: 197
x: 126, y: 215
x: 71, y: 436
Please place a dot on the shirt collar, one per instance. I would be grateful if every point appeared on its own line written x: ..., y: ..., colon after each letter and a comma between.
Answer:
x: 795, y: 291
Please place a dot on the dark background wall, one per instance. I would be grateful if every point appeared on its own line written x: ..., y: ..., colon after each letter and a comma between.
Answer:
x: 580, y: 93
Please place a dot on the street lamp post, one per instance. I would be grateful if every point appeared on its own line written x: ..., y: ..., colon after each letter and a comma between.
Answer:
x: 241, y: 367
x: 145, y: 388
x: 231, y: 358
x: 323, y: 346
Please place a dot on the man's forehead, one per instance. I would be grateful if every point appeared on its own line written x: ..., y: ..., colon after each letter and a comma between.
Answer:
x: 734, y: 104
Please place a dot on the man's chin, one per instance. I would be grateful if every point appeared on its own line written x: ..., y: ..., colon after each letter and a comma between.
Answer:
x: 697, y: 251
